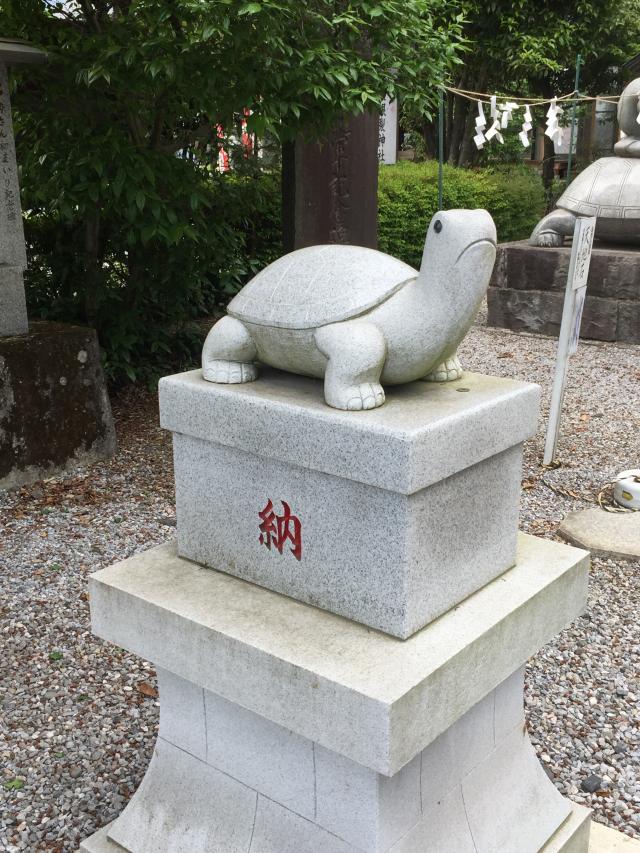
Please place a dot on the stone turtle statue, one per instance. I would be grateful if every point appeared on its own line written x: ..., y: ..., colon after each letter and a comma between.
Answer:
x: 358, y: 317
x: 608, y: 188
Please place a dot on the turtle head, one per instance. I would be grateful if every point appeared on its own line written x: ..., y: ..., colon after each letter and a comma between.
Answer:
x: 628, y: 109
x: 460, y: 247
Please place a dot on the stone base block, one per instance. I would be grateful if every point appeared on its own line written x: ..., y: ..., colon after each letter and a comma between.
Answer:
x: 54, y: 408
x: 255, y: 786
x: 574, y: 835
x: 363, y: 694
x: 527, y: 291
x: 576, y: 832
x: 352, y: 512
x: 13, y: 305
x: 288, y: 729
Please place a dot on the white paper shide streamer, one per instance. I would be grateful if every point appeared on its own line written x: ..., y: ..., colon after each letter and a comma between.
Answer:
x: 481, y: 123
x: 526, y: 127
x: 553, y: 131
x: 506, y: 109
x: 494, y: 130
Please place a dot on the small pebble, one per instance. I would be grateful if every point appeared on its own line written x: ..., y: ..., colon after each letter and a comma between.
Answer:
x: 591, y: 784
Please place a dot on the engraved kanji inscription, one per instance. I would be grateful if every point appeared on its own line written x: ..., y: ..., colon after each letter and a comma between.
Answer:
x: 278, y: 530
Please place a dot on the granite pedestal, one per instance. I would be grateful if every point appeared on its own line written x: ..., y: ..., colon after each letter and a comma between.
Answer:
x: 389, y: 517
x: 528, y: 283
x: 288, y: 729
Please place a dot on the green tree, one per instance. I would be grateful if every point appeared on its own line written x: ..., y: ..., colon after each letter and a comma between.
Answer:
x: 130, y: 226
x: 519, y: 47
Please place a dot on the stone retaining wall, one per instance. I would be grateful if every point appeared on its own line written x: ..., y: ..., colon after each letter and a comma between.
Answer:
x: 528, y: 283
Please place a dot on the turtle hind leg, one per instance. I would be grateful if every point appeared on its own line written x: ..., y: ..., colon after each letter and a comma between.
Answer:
x: 553, y: 228
x: 356, y: 351
x: 448, y: 371
x: 229, y: 353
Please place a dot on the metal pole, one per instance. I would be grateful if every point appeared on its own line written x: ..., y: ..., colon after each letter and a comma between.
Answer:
x: 440, y: 144
x: 573, y: 116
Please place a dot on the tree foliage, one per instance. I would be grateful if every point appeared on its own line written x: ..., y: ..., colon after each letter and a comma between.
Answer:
x: 130, y: 226
x: 520, y: 47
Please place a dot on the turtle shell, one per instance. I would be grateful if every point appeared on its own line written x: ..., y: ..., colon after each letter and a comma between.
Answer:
x: 608, y: 188
x: 318, y: 285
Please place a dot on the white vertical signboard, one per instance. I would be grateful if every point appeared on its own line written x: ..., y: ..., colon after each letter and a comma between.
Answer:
x: 574, y: 297
x: 388, y: 138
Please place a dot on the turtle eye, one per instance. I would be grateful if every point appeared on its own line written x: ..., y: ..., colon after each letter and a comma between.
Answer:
x: 437, y: 226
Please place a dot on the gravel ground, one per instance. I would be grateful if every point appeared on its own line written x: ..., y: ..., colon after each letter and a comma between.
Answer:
x: 78, y: 718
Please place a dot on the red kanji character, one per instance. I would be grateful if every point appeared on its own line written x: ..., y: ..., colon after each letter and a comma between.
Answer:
x: 279, y: 529
x: 289, y: 528
x: 268, y: 529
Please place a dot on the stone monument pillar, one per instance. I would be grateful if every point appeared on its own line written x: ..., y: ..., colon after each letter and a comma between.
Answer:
x: 54, y: 408
x: 330, y: 188
x: 341, y: 629
x: 13, y: 258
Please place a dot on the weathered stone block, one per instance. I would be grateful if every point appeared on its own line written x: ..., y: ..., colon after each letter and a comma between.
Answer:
x: 528, y: 283
x: 378, y: 497
x: 54, y: 408
x: 629, y: 322
x: 541, y: 311
x: 13, y: 305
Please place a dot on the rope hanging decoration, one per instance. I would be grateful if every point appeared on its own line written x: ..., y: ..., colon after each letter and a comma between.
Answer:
x: 501, y: 114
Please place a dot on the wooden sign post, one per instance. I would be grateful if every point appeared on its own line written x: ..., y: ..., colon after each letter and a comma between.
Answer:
x: 574, y: 297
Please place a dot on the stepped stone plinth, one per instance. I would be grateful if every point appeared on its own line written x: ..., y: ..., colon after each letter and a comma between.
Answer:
x: 341, y: 628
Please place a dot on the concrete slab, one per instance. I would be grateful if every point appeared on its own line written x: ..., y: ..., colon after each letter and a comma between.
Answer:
x: 323, y: 672
x: 607, y: 534
x: 606, y: 840
x: 573, y: 835
x: 528, y: 285
x: 602, y: 839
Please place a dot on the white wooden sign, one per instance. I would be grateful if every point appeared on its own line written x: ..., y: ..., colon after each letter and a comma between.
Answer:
x: 574, y: 297
x: 388, y: 133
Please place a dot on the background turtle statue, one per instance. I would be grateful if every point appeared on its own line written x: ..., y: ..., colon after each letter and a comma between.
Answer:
x: 359, y: 317
x: 608, y: 188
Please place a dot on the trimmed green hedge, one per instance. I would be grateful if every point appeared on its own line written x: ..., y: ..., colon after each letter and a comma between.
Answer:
x: 408, y: 198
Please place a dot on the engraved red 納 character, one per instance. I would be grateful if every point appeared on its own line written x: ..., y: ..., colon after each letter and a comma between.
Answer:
x: 280, y: 529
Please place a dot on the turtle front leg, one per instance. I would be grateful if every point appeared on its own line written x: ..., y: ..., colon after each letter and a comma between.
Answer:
x: 229, y: 353
x: 448, y: 371
x: 553, y: 228
x: 356, y: 351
